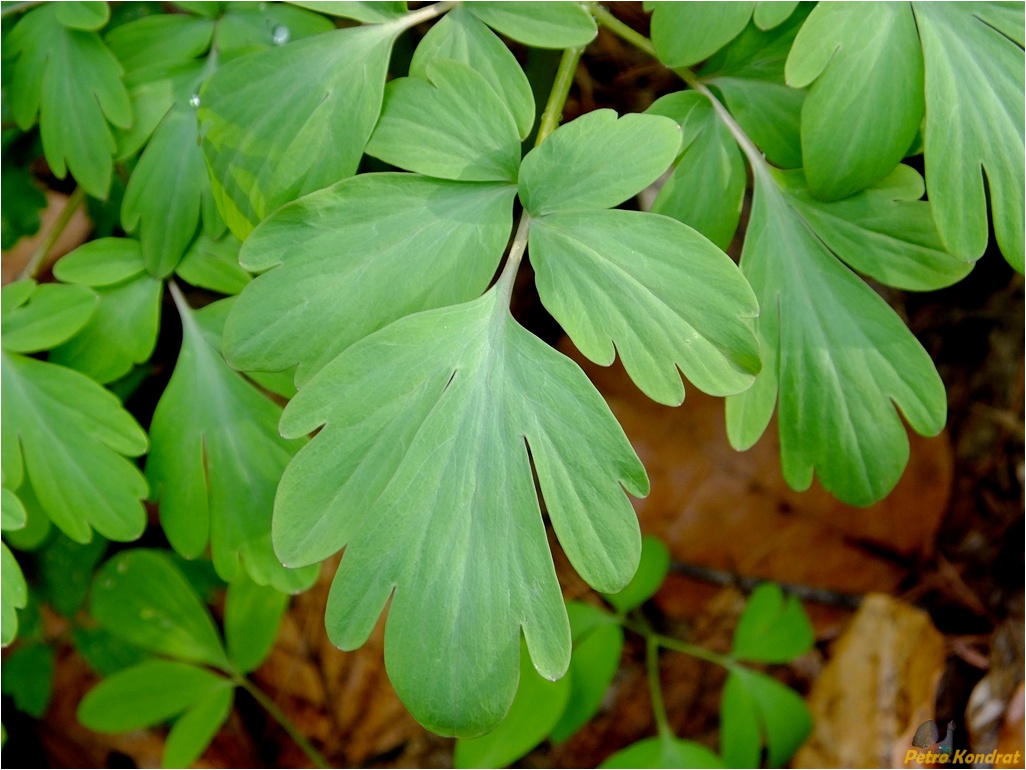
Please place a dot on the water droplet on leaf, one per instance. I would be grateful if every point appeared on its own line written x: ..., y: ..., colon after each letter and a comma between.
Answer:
x: 281, y: 35
x: 195, y: 100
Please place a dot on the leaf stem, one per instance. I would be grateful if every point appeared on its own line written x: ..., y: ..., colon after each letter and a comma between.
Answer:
x: 655, y: 688
x: 414, y: 18
x: 621, y: 30
x: 642, y: 628
x: 279, y: 716
x: 516, y: 254
x: 38, y: 257
x: 560, y: 91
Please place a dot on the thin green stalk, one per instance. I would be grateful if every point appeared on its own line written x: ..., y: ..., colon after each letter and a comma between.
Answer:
x: 272, y: 708
x: 39, y: 255
x: 516, y: 254
x: 621, y: 30
x: 655, y: 688
x: 560, y: 91
x: 642, y: 628
x: 414, y: 18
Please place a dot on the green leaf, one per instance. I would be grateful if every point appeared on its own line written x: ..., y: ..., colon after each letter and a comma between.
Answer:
x: 865, y: 104
x: 195, y: 729
x: 215, y: 461
x: 53, y: 313
x: 974, y: 118
x: 443, y: 242
x: 72, y: 81
x: 840, y: 357
x: 597, y: 161
x: 768, y: 15
x: 451, y: 126
x: 248, y: 27
x: 252, y: 615
x: 759, y: 711
x: 532, y: 715
x: 271, y: 133
x: 884, y: 232
x: 83, y: 15
x: 28, y: 678
x: 653, y: 290
x: 102, y: 262
x: 214, y: 264
x: 14, y: 516
x: 147, y: 694
x: 37, y: 524
x: 160, y: 40
x: 462, y: 37
x: 23, y: 201
x: 652, y: 571
x: 139, y: 596
x: 66, y: 567
x: 540, y: 25
x: 686, y: 33
x: 74, y: 436
x: 598, y: 644
x: 167, y: 192
x: 13, y: 594
x: 708, y: 183
x: 422, y: 472
x: 365, y: 12
x: 665, y: 751
x: 104, y: 652
x: 772, y: 629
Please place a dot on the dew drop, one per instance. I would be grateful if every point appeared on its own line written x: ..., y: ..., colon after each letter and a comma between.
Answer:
x: 122, y: 567
x: 281, y: 35
x: 194, y: 100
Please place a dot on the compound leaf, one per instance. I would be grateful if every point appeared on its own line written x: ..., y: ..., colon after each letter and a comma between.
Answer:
x: 772, y: 629
x: 419, y: 242
x: 865, y: 104
x: 74, y: 436
x: 664, y: 751
x: 192, y: 731
x: 541, y: 25
x: 72, y: 82
x: 48, y: 315
x: 271, y: 132
x: 656, y: 290
x: 533, y: 713
x: 840, y: 357
x: 13, y: 595
x: 141, y: 597
x: 597, y: 161
x: 974, y: 118
x: 252, y: 615
x: 463, y: 37
x: 687, y: 33
x: 423, y: 472
x: 215, y: 460
x: 758, y: 711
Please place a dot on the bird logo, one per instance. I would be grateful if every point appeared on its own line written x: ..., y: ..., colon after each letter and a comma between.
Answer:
x: 928, y: 738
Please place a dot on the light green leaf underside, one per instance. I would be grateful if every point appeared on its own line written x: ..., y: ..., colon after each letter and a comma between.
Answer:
x: 533, y: 713
x: 884, y: 232
x: 451, y: 126
x: 147, y: 694
x: 654, y: 288
x: 52, y: 313
x: 252, y: 616
x: 13, y: 595
x: 72, y: 82
x: 772, y: 629
x: 841, y: 359
x: 758, y: 711
x: 141, y: 597
x: 215, y: 461
x: 416, y: 242
x: 686, y: 33
x: 865, y: 104
x: 102, y: 262
x: 422, y: 472
x: 541, y: 25
x: 271, y: 132
x: 768, y: 15
x: 73, y: 435
x: 974, y: 118
x: 597, y: 161
x: 666, y: 751
x: 707, y: 186
x: 213, y: 263
x: 462, y: 36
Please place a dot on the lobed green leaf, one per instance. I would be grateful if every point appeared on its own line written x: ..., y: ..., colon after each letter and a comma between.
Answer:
x: 52, y: 313
x: 540, y: 25
x: 758, y: 711
x: 772, y: 629
x: 686, y: 33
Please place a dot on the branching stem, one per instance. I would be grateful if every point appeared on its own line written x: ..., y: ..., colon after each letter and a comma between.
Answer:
x: 271, y: 708
x: 655, y: 687
x: 414, y: 18
x: 560, y: 91
x: 38, y: 258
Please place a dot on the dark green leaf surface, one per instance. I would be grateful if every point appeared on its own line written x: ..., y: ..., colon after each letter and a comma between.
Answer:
x: 193, y: 730
x: 655, y: 289
x: 65, y: 569
x: 842, y: 360
x: 214, y: 264
x: 71, y: 81
x: 141, y: 597
x: 23, y: 201
x: 772, y: 629
x: 422, y: 471
x: 215, y: 460
x: 52, y: 313
x: 542, y: 25
x: 652, y: 570
x: 708, y: 183
x: 687, y: 33
x: 532, y: 715
x: 463, y: 37
x: 28, y: 678
x: 147, y: 694
x: 104, y: 652
x: 13, y: 594
x: 597, y: 161
x: 453, y: 125
x: 864, y: 69
x: 758, y: 711
x: 270, y: 132
x: 422, y: 243
x: 665, y: 751
x: 252, y: 615
x: 974, y: 117
x: 74, y: 436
